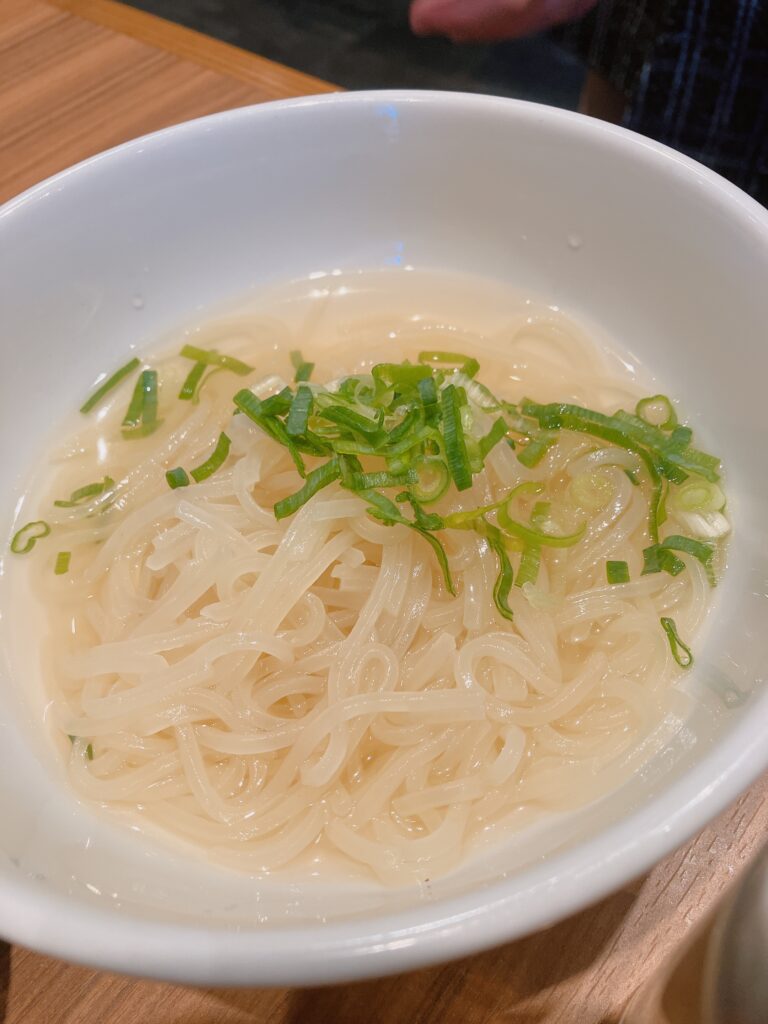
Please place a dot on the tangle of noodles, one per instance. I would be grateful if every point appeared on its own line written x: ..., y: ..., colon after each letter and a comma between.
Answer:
x: 269, y: 689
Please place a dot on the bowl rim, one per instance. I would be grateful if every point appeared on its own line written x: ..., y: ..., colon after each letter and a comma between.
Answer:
x: 376, y: 944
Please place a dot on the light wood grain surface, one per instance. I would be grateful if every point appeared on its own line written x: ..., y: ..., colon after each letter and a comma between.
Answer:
x: 77, y: 76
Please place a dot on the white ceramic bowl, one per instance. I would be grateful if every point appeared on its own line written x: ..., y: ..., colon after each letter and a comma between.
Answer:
x: 666, y: 257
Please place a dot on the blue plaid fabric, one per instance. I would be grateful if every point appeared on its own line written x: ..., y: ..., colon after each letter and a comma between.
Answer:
x: 695, y: 73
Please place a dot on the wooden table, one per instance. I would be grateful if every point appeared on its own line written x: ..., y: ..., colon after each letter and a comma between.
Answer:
x: 77, y: 76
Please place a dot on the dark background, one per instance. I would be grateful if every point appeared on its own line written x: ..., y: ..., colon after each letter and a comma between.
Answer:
x: 366, y: 44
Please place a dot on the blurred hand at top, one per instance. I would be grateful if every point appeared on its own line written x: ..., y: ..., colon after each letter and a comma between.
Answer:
x: 466, y: 21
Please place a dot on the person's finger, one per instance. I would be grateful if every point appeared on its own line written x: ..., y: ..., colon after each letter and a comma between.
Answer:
x: 490, y: 20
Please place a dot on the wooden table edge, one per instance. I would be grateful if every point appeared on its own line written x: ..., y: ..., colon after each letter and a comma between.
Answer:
x: 190, y: 45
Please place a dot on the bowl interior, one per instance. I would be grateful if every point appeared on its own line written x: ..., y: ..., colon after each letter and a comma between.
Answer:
x: 663, y: 257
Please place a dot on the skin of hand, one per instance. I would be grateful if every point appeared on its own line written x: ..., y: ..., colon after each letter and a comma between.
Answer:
x: 466, y: 21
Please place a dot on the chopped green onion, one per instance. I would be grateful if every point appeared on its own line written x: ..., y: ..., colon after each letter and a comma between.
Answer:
x: 467, y: 520
x: 532, y: 454
x: 61, y: 566
x: 540, y: 513
x: 617, y: 571
x: 673, y: 459
x: 393, y: 379
x: 492, y: 438
x: 382, y: 508
x: 657, y: 558
x: 89, y: 751
x: 698, y: 496
x: 277, y: 405
x: 177, y: 478
x: 428, y: 395
x: 692, y: 461
x: 530, y: 562
x: 349, y: 467
x: 248, y: 403
x: 660, y: 557
x: 83, y: 493
x: 504, y: 580
x: 658, y: 411
x: 316, y: 480
x: 681, y: 652
x: 299, y: 412
x: 467, y: 364
x: 353, y: 420
x: 302, y: 368
x: 421, y: 423
x: 426, y: 520
x: 697, y: 548
x: 214, y: 461
x: 188, y: 391
x: 365, y: 481
x: 109, y: 384
x: 433, y: 480
x: 133, y: 413
x: 538, y: 537
x: 440, y: 554
x: 141, y: 418
x: 212, y: 358
x: 25, y: 539
x: 455, y: 445
x: 411, y: 421
x: 679, y: 439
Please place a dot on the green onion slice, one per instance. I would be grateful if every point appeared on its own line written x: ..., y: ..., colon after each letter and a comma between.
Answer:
x: 530, y: 563
x: 617, y: 571
x: 466, y: 520
x: 177, y: 477
x: 466, y: 364
x: 83, y: 493
x: 455, y: 444
x: 432, y: 481
x: 353, y: 420
x: 532, y: 453
x: 698, y: 496
x: 249, y: 404
x: 538, y: 537
x: 299, y: 412
x: 302, y: 368
x: 25, y: 539
x: 214, y: 461
x: 61, y: 565
x: 504, y: 580
x: 681, y: 652
x: 497, y: 433
x: 383, y: 509
x: 366, y: 481
x: 316, y: 480
x: 189, y: 389
x: 658, y: 411
x: 212, y: 358
x: 705, y: 553
x: 660, y: 557
x: 442, y: 558
x: 657, y: 558
x: 141, y: 417
x: 670, y: 452
x: 109, y: 384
